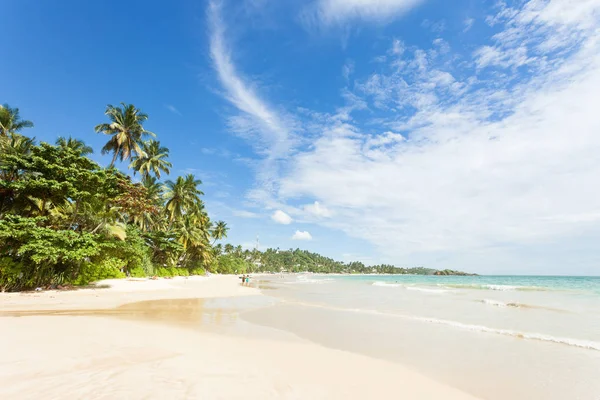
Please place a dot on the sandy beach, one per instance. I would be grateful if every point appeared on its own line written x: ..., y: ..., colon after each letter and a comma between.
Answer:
x: 59, y: 345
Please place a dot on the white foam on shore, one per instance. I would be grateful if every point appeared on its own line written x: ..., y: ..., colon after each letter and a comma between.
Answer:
x: 386, y: 284
x: 425, y: 290
x: 498, y: 303
x: 412, y: 288
x: 502, y: 288
x: 304, y: 280
x: 583, y: 344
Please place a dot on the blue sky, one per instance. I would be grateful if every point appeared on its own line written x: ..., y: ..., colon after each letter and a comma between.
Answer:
x: 413, y: 132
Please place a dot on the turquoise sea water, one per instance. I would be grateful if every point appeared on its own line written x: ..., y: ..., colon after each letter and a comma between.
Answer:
x: 575, y: 284
x: 498, y: 337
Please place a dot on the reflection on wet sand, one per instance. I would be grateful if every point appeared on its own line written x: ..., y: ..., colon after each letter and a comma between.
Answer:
x: 196, y: 313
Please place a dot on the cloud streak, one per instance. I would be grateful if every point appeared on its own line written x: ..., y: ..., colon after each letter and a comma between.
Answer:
x: 257, y: 120
x: 335, y: 12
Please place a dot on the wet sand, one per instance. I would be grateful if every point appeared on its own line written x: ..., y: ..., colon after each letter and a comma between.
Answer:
x: 179, y: 339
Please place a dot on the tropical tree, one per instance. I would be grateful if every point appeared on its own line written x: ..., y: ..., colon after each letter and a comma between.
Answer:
x: 219, y: 231
x: 126, y: 130
x: 76, y: 145
x: 11, y: 122
x: 182, y: 195
x: 152, y: 160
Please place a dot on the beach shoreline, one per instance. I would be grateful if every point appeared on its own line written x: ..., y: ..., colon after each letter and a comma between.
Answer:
x: 94, y: 357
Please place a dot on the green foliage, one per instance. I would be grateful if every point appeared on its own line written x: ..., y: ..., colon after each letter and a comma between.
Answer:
x: 138, y: 272
x: 276, y: 260
x: 109, y: 268
x: 230, y: 264
x: 171, y: 272
x: 66, y: 220
x: 197, y: 272
x: 42, y: 256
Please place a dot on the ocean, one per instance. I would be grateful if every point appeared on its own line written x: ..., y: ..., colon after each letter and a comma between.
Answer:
x: 497, y: 337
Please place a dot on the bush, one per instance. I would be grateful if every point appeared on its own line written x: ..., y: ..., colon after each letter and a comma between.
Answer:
x: 198, y: 271
x: 11, y: 275
x: 138, y: 272
x: 169, y: 272
x: 109, y: 268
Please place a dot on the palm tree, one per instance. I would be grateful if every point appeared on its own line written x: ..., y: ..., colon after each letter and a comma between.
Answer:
x: 76, y: 145
x: 10, y: 121
x: 154, y: 190
x: 181, y: 196
x: 153, y: 159
x: 219, y: 231
x: 127, y: 131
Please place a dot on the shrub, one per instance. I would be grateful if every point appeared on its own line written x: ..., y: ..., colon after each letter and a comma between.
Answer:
x: 197, y: 271
x: 109, y: 268
x: 138, y: 272
x: 169, y: 272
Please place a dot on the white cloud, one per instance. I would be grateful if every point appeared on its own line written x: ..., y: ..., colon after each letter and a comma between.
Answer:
x: 317, y: 210
x: 509, y: 161
x: 302, y: 235
x: 281, y: 217
x: 475, y: 159
x: 257, y: 121
x: 172, y: 109
x: 468, y: 24
x: 398, y: 47
x: 332, y: 12
x: 348, y: 69
x: 245, y: 214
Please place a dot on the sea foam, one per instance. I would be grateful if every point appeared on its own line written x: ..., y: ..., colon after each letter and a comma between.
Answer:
x: 584, y: 344
x: 412, y: 288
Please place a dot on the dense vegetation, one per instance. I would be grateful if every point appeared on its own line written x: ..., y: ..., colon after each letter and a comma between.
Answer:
x: 65, y: 220
x: 275, y: 260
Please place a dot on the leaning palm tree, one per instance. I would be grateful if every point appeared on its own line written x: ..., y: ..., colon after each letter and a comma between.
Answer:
x: 76, y: 145
x: 219, y: 231
x: 10, y: 121
x: 126, y: 130
x: 153, y: 159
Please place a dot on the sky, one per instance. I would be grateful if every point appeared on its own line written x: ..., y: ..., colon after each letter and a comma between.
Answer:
x: 462, y: 135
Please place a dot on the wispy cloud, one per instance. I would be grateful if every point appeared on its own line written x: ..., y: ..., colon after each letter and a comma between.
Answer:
x: 172, y: 109
x: 245, y: 214
x: 468, y: 24
x: 336, y: 12
x: 257, y: 120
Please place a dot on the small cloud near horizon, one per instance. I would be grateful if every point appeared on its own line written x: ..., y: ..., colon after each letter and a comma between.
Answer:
x: 302, y: 235
x: 281, y: 218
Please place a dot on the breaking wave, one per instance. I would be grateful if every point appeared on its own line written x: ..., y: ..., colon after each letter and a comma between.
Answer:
x: 412, y: 288
x: 502, y: 288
